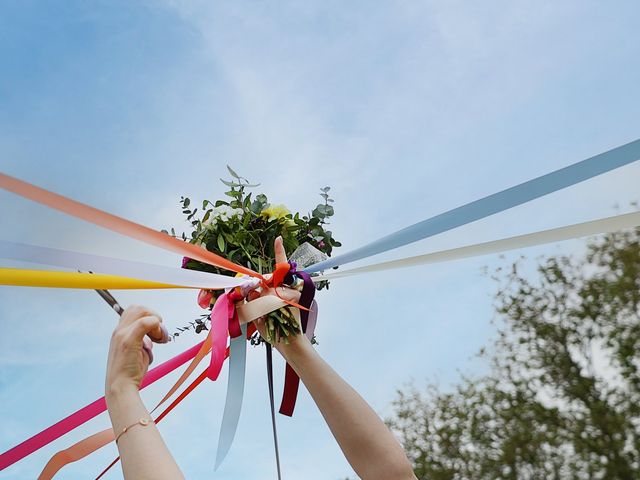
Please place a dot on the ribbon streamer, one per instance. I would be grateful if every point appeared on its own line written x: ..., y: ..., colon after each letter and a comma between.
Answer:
x: 272, y: 405
x: 291, y: 379
x: 88, y: 445
x: 498, y: 202
x: 45, y: 278
x: 235, y: 394
x: 604, y: 225
x: 115, y: 266
x: 118, y: 224
x: 166, y: 412
x: 85, y: 414
x: 219, y: 333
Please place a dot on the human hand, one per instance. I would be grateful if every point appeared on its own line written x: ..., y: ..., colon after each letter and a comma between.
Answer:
x: 285, y: 293
x: 130, y: 352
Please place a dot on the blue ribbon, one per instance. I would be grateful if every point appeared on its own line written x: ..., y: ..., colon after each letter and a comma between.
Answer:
x: 498, y: 202
x: 235, y: 392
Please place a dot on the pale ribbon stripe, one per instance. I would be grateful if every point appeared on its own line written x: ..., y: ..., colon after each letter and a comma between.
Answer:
x: 117, y: 224
x: 235, y: 395
x: 115, y: 266
x: 492, y: 204
x: 604, y: 225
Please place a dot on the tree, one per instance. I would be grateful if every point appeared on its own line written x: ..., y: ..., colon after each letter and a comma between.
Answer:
x: 562, y: 395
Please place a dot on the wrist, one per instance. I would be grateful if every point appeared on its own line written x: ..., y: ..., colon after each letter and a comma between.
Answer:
x: 121, y: 389
x: 298, y: 347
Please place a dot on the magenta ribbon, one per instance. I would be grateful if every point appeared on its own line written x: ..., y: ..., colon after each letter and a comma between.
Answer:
x: 85, y: 414
x: 219, y: 334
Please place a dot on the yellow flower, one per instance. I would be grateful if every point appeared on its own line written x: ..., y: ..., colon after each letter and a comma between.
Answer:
x: 275, y: 212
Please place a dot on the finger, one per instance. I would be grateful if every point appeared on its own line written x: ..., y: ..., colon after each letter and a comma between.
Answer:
x: 147, y: 346
x: 164, y: 334
x: 147, y: 325
x: 281, y: 256
x: 253, y: 295
x: 260, y: 325
x: 290, y: 294
x: 135, y: 312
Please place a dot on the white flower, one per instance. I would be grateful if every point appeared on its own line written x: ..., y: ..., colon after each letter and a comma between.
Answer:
x: 223, y: 213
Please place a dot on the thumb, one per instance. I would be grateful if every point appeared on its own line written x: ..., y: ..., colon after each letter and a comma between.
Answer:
x: 278, y: 246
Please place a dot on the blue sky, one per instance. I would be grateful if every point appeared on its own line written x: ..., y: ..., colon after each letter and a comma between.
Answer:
x: 405, y: 108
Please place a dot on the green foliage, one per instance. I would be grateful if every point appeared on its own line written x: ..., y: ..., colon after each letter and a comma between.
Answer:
x: 243, y: 227
x: 562, y: 398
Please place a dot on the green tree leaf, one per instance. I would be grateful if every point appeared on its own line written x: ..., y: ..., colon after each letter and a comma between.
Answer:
x: 545, y: 408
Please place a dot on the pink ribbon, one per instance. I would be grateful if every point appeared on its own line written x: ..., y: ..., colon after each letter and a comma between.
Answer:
x: 85, y: 414
x: 219, y: 333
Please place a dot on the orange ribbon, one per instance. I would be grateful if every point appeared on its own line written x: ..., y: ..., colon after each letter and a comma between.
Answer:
x: 118, y: 224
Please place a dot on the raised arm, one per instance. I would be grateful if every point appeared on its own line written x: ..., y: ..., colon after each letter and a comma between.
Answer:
x: 369, y: 446
x: 142, y: 451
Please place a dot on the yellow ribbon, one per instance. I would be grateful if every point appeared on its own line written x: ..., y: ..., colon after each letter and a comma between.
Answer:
x: 51, y: 279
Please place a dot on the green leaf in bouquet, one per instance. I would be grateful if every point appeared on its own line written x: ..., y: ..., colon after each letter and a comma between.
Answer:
x: 256, y: 207
x: 233, y: 173
x: 229, y: 184
x: 186, y: 202
x: 228, y: 237
x: 212, y: 244
x: 318, y: 213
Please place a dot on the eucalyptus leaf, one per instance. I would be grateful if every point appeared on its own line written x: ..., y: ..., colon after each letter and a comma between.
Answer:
x: 233, y: 174
x: 229, y: 184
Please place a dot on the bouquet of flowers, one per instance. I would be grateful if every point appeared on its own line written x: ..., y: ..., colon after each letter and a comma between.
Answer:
x: 243, y: 228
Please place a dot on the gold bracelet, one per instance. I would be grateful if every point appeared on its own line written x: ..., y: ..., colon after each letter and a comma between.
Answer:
x: 143, y: 421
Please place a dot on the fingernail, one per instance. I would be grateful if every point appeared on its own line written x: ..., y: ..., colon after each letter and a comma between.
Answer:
x: 165, y: 334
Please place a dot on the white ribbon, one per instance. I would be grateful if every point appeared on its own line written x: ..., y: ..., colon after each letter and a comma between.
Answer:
x: 604, y: 225
x: 116, y: 266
